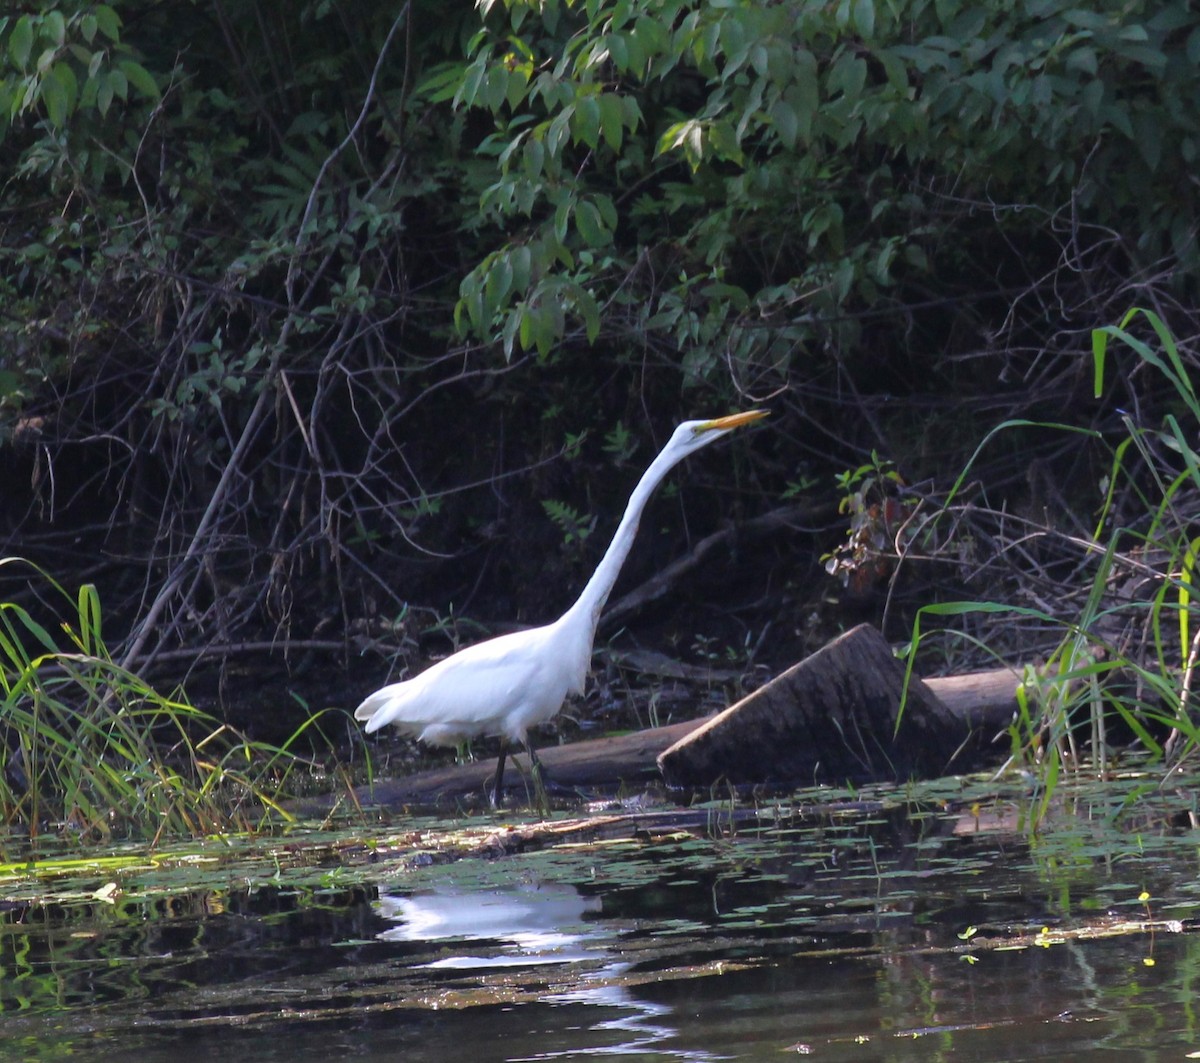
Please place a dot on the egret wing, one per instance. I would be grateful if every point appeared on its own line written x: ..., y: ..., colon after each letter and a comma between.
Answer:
x: 474, y: 692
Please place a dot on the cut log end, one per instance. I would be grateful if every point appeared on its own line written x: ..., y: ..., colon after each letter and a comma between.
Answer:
x: 833, y: 718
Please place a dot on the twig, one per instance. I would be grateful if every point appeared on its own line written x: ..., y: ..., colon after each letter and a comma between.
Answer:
x: 141, y: 633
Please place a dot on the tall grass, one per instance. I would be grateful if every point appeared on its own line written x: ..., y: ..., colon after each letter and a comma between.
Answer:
x: 1122, y: 658
x: 90, y: 748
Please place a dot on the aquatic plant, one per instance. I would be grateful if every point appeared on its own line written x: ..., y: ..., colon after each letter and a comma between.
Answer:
x: 91, y: 748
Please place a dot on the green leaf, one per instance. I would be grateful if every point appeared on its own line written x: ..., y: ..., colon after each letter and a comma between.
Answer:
x: 585, y: 305
x: 805, y: 93
x: 675, y: 135
x: 544, y: 332
x: 525, y: 331
x: 1133, y: 32
x: 1084, y: 60
x: 586, y: 126
x: 19, y: 95
x: 533, y: 158
x: 725, y: 143
x: 1118, y: 115
x: 848, y: 75
x: 632, y: 112
x: 608, y: 210
x: 119, y: 84
x: 895, y: 69
x: 729, y: 294
x: 467, y: 93
x: 54, y: 95
x: 499, y: 282
x: 522, y: 261
x: 69, y: 83
x: 90, y: 626
x: 104, y: 93
x: 518, y: 83
x: 556, y: 132
x: 108, y: 21
x: 495, y: 92
x: 862, y: 17
x: 442, y: 82
x: 471, y: 298
x: 139, y: 77
x: 618, y: 50
x: 652, y: 34
x: 54, y: 28
x: 21, y: 42
x: 508, y: 334
x: 561, y: 217
x: 590, y: 225
x: 637, y: 55
x: 786, y: 122
x: 611, y: 123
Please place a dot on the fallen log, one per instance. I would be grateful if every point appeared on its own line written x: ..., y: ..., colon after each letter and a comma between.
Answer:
x: 971, y: 709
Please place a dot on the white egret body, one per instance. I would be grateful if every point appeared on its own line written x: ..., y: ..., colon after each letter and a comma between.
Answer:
x: 508, y: 684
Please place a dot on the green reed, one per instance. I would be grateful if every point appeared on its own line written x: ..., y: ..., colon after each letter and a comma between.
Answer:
x: 1126, y: 658
x: 91, y: 749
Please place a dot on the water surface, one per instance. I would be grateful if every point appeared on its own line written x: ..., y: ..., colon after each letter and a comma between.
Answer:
x: 922, y: 924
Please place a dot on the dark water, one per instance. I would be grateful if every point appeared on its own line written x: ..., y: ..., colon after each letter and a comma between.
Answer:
x: 910, y: 928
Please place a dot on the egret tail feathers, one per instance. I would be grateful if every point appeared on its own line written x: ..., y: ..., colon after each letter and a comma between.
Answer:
x: 409, y: 707
x: 380, y: 708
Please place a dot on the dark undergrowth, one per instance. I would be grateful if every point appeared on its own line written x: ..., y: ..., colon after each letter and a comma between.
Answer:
x: 337, y: 338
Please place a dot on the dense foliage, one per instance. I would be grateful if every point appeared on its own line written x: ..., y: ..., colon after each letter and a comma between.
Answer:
x: 291, y: 292
x: 761, y: 185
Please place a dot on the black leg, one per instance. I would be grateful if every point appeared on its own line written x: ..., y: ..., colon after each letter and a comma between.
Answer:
x: 498, y: 779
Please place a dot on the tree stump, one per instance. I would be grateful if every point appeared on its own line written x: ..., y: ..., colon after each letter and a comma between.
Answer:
x: 829, y: 719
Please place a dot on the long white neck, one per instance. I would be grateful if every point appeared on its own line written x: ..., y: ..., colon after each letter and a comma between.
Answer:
x: 595, y: 594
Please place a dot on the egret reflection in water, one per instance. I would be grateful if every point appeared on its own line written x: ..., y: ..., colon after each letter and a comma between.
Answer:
x: 539, y: 925
x: 536, y: 924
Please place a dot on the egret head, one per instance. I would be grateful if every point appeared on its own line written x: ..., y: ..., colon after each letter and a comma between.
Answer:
x: 692, y: 435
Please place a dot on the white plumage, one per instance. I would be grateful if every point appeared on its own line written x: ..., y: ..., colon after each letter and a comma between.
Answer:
x: 507, y: 685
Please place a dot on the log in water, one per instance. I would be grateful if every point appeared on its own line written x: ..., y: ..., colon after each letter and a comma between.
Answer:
x: 830, y: 718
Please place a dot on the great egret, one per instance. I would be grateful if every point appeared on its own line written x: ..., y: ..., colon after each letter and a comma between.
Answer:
x: 508, y: 684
